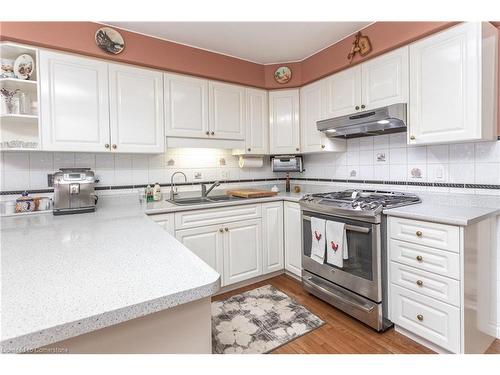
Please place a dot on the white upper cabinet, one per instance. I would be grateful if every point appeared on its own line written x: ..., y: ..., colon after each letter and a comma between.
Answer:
x: 227, y: 111
x: 284, y: 126
x: 257, y: 122
x: 136, y: 109
x: 312, y: 109
x: 343, y: 92
x: 186, y: 106
x: 453, y: 85
x: 384, y: 80
x: 73, y: 103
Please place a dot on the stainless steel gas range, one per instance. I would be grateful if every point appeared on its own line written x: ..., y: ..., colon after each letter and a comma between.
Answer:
x: 359, y: 287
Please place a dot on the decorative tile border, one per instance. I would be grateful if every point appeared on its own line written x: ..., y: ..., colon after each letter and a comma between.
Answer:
x: 371, y: 182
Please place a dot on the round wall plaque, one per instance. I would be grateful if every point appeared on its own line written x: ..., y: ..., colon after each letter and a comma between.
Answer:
x: 109, y: 40
x: 283, y: 74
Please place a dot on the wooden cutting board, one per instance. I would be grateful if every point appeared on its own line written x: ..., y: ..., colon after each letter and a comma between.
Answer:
x: 251, y: 193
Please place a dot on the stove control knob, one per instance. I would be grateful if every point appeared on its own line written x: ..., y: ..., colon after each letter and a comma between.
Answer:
x: 373, y: 205
x: 363, y: 205
x: 354, y: 204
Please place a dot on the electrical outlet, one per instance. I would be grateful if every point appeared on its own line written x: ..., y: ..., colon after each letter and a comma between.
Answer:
x: 197, y: 175
x: 225, y: 175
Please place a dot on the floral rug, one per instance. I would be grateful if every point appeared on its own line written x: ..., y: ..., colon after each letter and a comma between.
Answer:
x: 258, y: 321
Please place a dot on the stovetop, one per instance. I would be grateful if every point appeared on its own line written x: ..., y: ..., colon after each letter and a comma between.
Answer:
x: 358, y: 202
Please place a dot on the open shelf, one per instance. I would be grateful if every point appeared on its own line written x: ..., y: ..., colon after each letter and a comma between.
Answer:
x: 15, y: 118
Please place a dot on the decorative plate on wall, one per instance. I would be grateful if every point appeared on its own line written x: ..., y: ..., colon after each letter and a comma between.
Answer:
x: 109, y: 40
x: 283, y: 74
x: 24, y: 66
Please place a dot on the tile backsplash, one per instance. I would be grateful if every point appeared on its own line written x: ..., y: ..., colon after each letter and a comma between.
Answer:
x: 388, y: 158
x: 380, y: 158
x: 28, y: 170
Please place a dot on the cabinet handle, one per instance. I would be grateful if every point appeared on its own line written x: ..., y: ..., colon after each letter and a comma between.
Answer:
x: 249, y: 149
x: 212, y: 133
x: 207, y: 133
x: 418, y: 233
x: 226, y: 229
x: 356, y: 108
x: 106, y: 145
x: 363, y: 106
x: 412, y: 137
x: 322, y: 146
x: 420, y: 282
x: 420, y: 317
x: 114, y: 147
x: 420, y: 258
x: 221, y: 230
x: 297, y: 149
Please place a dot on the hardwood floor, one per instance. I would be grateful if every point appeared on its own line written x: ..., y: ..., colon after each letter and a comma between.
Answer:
x: 340, y: 334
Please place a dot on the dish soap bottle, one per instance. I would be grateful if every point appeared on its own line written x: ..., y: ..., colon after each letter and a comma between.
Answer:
x: 157, y: 192
x: 149, y: 194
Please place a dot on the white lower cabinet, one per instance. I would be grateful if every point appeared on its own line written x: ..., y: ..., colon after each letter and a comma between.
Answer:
x: 242, y: 251
x: 272, y: 237
x: 207, y: 243
x: 293, y: 238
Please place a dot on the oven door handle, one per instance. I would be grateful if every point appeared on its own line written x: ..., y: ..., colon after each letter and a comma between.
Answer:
x: 313, y: 285
x: 350, y: 227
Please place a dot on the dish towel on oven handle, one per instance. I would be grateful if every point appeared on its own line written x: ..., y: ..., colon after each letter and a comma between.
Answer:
x: 336, y: 243
x: 318, y: 239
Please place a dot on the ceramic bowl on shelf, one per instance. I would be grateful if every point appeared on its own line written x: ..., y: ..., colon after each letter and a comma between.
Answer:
x: 24, y: 66
x: 6, y: 68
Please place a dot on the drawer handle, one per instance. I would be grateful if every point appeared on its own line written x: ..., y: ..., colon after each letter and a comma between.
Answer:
x: 420, y: 282
x: 420, y: 317
x: 420, y: 258
x: 418, y: 233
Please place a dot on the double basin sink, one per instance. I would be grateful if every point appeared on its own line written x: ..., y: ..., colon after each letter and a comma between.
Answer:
x: 203, y: 200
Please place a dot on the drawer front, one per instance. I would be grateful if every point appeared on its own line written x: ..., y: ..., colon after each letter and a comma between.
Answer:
x: 441, y: 236
x: 199, y: 218
x: 435, y: 321
x: 426, y: 283
x: 425, y: 258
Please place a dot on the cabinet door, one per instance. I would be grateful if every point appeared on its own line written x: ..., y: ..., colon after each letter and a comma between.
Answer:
x: 385, y: 80
x: 444, y: 86
x: 257, y: 122
x: 186, y: 106
x: 136, y: 109
x: 312, y: 109
x: 73, y: 103
x: 343, y: 92
x: 227, y: 111
x: 272, y: 237
x: 293, y: 238
x: 284, y: 121
x: 242, y: 251
x: 206, y: 243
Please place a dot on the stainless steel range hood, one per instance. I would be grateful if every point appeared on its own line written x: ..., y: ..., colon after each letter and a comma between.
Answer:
x: 385, y: 120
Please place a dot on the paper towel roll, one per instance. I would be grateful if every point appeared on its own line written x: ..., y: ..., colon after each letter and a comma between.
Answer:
x: 251, y: 162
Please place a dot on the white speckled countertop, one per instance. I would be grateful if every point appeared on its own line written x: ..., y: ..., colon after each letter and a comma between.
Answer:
x: 68, y: 275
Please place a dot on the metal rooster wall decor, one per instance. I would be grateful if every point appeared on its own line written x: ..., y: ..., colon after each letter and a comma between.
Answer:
x: 360, y: 45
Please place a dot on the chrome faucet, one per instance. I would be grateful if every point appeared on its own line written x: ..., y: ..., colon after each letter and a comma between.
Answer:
x: 173, y: 190
x: 205, y: 191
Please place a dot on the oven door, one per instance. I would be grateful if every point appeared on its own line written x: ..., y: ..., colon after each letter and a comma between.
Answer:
x: 361, y: 272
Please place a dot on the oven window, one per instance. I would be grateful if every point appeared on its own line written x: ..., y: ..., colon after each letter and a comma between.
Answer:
x: 360, y: 248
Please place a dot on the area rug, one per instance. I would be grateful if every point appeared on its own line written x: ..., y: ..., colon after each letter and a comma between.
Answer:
x: 258, y: 321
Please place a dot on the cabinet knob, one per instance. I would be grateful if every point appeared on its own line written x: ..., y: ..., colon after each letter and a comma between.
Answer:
x: 297, y: 149
x: 420, y: 317
x: 114, y: 147
x: 221, y: 230
x: 356, y: 108
x: 363, y: 106
x: 420, y: 258
x: 420, y: 282
x: 322, y: 146
x: 212, y: 133
x: 249, y: 149
x: 226, y: 229
x: 106, y: 145
x: 207, y: 133
x: 412, y: 137
x: 418, y: 233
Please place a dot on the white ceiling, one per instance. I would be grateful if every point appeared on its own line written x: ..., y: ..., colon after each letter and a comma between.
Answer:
x: 260, y: 42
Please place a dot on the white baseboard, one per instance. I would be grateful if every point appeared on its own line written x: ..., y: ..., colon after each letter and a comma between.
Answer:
x: 421, y: 340
x: 253, y: 280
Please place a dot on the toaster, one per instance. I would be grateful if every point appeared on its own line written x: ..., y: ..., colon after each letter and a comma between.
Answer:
x: 286, y: 163
x: 74, y: 191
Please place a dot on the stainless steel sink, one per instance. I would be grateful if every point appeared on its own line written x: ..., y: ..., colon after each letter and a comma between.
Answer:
x: 203, y: 200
